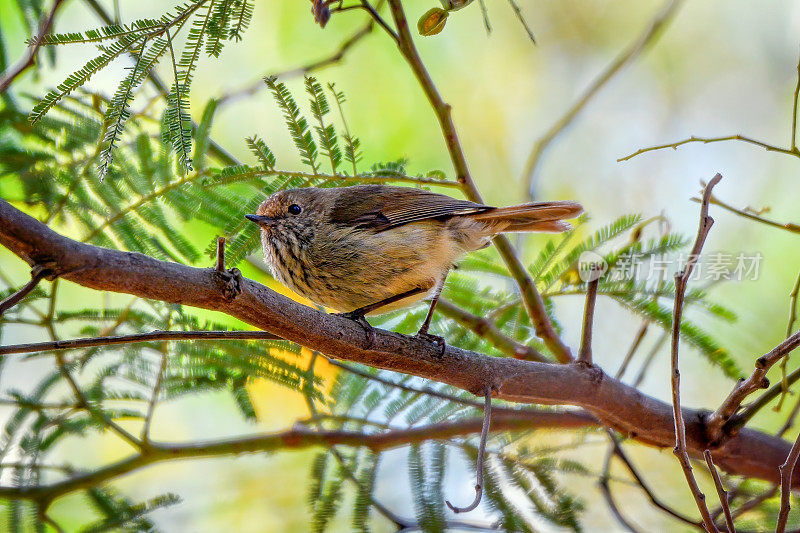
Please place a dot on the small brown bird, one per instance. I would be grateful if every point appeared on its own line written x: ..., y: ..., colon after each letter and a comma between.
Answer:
x: 373, y: 248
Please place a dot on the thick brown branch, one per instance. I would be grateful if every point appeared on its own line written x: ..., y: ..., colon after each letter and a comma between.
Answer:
x: 749, y: 453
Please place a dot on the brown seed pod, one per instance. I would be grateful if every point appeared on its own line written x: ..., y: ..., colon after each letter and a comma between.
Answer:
x: 432, y: 22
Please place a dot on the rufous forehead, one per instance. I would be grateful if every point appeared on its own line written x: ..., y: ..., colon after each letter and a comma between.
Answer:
x: 271, y: 206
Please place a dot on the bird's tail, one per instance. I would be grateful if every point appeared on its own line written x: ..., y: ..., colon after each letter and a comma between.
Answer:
x: 537, y: 216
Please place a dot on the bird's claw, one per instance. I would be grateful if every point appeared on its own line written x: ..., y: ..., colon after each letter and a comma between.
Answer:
x: 359, y: 319
x: 436, y: 339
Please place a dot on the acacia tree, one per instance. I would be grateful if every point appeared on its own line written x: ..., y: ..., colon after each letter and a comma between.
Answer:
x: 117, y: 178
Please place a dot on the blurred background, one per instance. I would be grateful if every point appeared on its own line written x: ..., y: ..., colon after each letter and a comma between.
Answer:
x: 719, y: 68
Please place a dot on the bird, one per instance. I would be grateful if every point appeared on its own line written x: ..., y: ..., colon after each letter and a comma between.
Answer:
x: 370, y: 249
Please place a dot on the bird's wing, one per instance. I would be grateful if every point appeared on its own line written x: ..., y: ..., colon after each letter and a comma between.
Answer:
x: 381, y: 207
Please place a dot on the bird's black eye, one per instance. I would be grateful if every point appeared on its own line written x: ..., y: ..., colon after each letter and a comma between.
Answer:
x: 295, y: 209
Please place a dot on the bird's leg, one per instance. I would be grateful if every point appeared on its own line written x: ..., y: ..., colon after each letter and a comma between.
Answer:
x: 358, y: 315
x: 423, y: 330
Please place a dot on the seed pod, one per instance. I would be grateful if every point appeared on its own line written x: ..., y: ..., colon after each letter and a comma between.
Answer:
x: 432, y: 22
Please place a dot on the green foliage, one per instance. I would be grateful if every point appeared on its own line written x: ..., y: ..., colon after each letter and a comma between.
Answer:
x: 143, y: 208
x: 213, y: 22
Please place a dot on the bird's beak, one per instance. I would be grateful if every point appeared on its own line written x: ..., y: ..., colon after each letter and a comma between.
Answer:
x: 261, y: 220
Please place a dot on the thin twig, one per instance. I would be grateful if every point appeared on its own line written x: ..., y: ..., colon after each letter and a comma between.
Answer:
x: 637, y: 341
x: 707, y: 140
x: 786, y: 470
x: 723, y: 420
x: 585, y: 353
x: 794, y: 109
x: 157, y: 335
x: 605, y: 489
x: 620, y: 453
x: 487, y: 329
x: 793, y: 296
x: 651, y: 33
x: 789, y: 419
x: 723, y: 495
x: 681, y: 280
x: 487, y: 420
x: 7, y: 77
x: 788, y: 226
x: 373, y: 12
x: 748, y: 412
x: 37, y: 274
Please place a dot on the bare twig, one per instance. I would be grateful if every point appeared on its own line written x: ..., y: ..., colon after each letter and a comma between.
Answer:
x: 620, y: 453
x: 585, y: 353
x: 786, y: 485
x: 637, y: 341
x: 489, y: 330
x: 7, y: 77
x: 748, y: 412
x: 605, y: 489
x: 793, y: 306
x: 794, y: 109
x: 723, y: 495
x: 681, y: 280
x: 296, y: 438
x: 790, y: 419
x: 134, y: 338
x: 722, y: 420
x: 651, y: 33
x: 788, y: 226
x: 707, y: 140
x: 37, y: 274
x: 487, y: 420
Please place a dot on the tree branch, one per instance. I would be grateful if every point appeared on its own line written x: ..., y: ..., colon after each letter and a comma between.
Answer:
x: 484, y: 327
x: 681, y: 280
x: 650, y: 421
x: 786, y: 483
x: 585, y: 352
x: 37, y: 274
x: 298, y: 437
x: 723, y: 495
x: 487, y: 420
x: 114, y: 340
x: 722, y: 420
